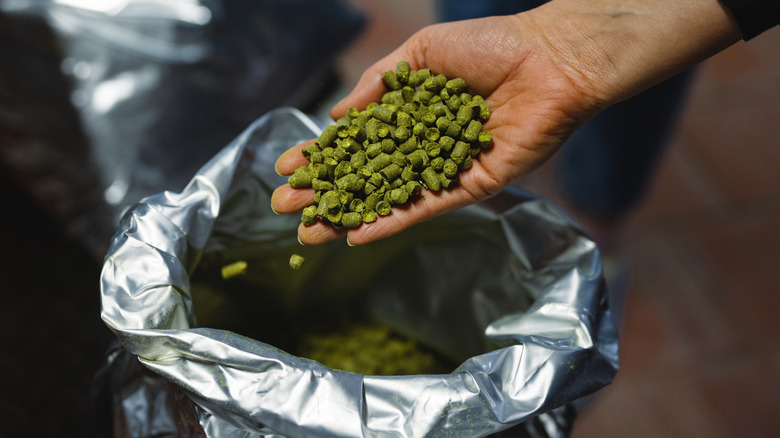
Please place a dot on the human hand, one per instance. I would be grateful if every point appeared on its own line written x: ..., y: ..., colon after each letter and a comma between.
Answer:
x: 539, y: 84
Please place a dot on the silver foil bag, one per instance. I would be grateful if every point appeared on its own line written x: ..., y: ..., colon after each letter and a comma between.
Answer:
x: 510, y: 289
x: 156, y: 88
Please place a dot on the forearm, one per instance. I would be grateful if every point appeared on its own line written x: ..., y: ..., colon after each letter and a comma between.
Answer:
x: 612, y: 49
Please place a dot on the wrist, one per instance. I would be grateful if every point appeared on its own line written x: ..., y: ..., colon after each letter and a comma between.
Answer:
x: 613, y: 49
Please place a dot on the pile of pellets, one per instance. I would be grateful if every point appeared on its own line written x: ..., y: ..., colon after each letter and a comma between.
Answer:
x: 426, y: 129
x: 371, y: 349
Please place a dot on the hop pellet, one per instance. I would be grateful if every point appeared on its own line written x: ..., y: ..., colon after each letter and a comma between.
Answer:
x: 421, y: 134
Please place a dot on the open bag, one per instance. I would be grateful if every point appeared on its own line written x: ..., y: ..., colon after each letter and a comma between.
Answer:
x: 511, y: 289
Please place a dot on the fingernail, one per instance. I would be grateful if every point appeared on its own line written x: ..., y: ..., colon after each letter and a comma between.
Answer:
x: 299, y: 240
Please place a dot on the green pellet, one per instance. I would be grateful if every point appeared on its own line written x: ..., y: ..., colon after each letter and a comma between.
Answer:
x: 453, y: 130
x: 455, y: 86
x: 485, y: 139
x: 364, y: 172
x: 401, y: 134
x: 398, y: 196
x: 369, y: 216
x: 391, y: 172
x: 350, y: 182
x: 391, y: 80
x: 450, y: 168
x: 345, y: 196
x: 465, y: 114
x: 352, y: 145
x: 327, y: 152
x: 398, y: 158
x: 454, y: 103
x: 357, y: 205
x: 319, y: 171
x: 309, y: 215
x: 446, y: 183
x: 442, y: 123
x: 301, y: 178
x: 409, y: 145
x: 319, y: 184
x: 446, y: 143
x: 402, y: 71
x: 407, y: 93
x: 316, y: 157
x: 329, y: 202
x: 234, y: 269
x: 437, y: 164
x: 394, y: 98
x: 413, y: 188
x: 340, y: 154
x: 402, y: 120
x: 372, y: 200
x: 422, y: 97
x: 430, y: 179
x: 460, y: 152
x: 379, y: 162
x: 432, y: 134
x: 417, y: 77
x: 434, y: 84
x: 373, y: 149
x: 309, y: 150
x: 335, y: 217
x: 383, y: 114
x: 418, y: 159
x: 358, y: 159
x: 466, y: 163
x: 327, y: 137
x: 351, y: 219
x: 342, y: 169
x: 471, y: 133
x: 429, y: 118
x: 376, y: 179
x: 382, y: 130
x: 407, y: 174
x: 388, y: 145
x: 296, y: 261
x: 383, y: 208
x: 352, y: 113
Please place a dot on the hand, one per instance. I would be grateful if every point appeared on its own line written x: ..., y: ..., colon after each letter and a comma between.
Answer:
x: 539, y: 82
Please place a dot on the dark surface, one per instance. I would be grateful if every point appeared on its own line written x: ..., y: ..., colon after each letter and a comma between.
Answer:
x: 52, y: 338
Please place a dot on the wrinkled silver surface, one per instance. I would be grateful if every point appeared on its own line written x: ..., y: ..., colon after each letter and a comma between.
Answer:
x: 156, y: 88
x: 524, y: 277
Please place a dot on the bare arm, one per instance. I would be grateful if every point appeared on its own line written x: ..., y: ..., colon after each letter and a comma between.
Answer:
x: 543, y: 73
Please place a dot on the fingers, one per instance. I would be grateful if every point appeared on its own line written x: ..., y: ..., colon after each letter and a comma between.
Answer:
x: 292, y: 159
x: 319, y: 233
x: 430, y: 205
x: 286, y: 199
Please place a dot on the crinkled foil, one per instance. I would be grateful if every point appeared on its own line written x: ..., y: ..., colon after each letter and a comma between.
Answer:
x: 125, y: 98
x: 512, y: 288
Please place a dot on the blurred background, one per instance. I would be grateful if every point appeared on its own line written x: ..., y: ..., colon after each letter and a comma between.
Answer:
x: 700, y: 352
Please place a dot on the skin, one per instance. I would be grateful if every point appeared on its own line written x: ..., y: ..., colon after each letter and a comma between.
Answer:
x: 543, y: 73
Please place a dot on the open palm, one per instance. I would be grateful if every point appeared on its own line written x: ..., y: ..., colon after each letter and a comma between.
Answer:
x: 535, y: 101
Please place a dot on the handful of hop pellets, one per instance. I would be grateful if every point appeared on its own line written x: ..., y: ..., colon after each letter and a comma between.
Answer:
x: 426, y: 129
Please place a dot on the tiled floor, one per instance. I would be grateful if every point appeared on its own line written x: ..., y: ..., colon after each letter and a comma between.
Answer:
x: 700, y: 349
